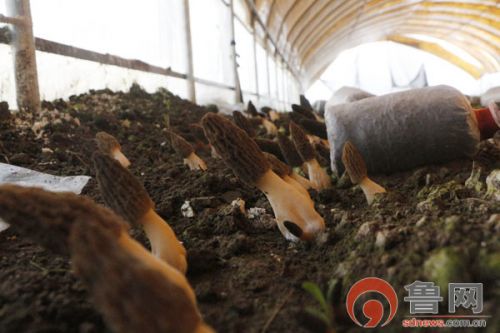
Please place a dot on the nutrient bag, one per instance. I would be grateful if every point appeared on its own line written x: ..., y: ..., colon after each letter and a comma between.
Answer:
x: 404, y: 130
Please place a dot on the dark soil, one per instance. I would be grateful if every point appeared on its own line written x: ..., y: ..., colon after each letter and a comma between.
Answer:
x: 247, y: 277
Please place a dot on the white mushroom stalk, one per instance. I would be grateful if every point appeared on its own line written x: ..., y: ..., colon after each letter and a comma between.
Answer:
x: 107, y: 144
x: 271, y: 129
x: 295, y: 214
x: 317, y: 175
x: 194, y: 162
x: 127, y: 196
x: 296, y: 217
x: 284, y: 172
x: 356, y: 168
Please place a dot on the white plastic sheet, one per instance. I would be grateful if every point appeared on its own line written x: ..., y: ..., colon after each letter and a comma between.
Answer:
x: 11, y: 174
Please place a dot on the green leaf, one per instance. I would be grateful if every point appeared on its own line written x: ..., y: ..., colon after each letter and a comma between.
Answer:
x: 318, y: 314
x: 315, y: 291
x: 331, y: 288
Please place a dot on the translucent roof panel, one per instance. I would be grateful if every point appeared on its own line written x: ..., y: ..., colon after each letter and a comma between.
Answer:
x: 311, y: 33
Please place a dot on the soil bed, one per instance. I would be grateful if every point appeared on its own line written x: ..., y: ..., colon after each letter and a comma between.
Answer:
x: 246, y: 276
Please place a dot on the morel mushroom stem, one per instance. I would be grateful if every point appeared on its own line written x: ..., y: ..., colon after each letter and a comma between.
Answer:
x: 356, y: 168
x: 270, y: 127
x: 194, y: 162
x: 317, y: 175
x: 120, y: 157
x: 304, y: 182
x: 290, y: 207
x: 284, y: 171
x: 162, y: 239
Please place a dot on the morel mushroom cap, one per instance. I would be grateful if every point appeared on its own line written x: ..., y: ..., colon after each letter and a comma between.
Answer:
x: 279, y: 168
x: 106, y: 143
x: 308, y: 113
x: 47, y: 217
x: 301, y: 142
x: 121, y: 190
x: 252, y: 110
x: 354, y: 163
x: 180, y: 145
x: 289, y: 151
x: 271, y: 147
x: 235, y: 147
x: 356, y: 168
x: 197, y: 131
x: 243, y: 123
x: 311, y: 126
x: 305, y: 102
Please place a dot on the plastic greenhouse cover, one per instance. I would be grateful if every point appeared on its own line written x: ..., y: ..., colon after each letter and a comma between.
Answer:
x: 11, y: 174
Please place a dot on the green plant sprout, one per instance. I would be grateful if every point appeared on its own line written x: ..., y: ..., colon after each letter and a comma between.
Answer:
x: 325, y: 311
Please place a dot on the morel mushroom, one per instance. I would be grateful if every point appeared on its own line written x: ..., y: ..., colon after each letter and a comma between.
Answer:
x: 268, y: 125
x: 312, y: 126
x: 293, y: 159
x: 242, y: 122
x: 133, y: 290
x: 108, y: 144
x: 295, y: 215
x: 317, y: 175
x: 121, y: 275
x: 284, y: 172
x: 356, y: 168
x: 127, y: 196
x: 186, y: 151
x: 47, y: 217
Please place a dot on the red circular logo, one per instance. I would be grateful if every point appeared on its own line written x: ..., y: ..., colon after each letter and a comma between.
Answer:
x: 372, y: 308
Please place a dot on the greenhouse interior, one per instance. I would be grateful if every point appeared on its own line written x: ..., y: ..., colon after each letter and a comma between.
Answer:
x: 275, y: 165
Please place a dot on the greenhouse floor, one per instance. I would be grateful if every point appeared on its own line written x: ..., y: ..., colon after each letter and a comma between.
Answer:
x: 246, y: 276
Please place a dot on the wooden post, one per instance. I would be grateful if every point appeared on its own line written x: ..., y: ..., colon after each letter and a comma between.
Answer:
x: 23, y: 44
x: 237, y: 87
x: 256, y: 68
x: 189, y: 48
x: 268, y: 75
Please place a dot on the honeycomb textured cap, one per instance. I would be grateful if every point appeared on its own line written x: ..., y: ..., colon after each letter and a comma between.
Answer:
x: 236, y: 148
x: 252, y: 110
x: 308, y: 113
x: 279, y: 168
x: 301, y: 142
x: 132, y: 296
x: 47, y: 217
x: 289, y: 151
x: 106, y: 143
x: 354, y: 163
x: 242, y: 122
x: 197, y: 131
x: 120, y: 189
x: 270, y: 146
x: 305, y: 102
x: 313, y: 127
x: 180, y: 145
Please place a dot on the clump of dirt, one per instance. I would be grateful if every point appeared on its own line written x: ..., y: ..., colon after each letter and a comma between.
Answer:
x: 247, y: 278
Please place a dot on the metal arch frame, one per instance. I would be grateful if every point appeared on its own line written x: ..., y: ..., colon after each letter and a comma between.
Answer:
x: 325, y: 35
x: 322, y: 30
x: 338, y: 40
x: 390, y: 23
